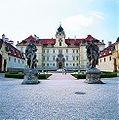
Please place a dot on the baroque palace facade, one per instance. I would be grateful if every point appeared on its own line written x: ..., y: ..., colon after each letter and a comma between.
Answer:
x: 58, y: 53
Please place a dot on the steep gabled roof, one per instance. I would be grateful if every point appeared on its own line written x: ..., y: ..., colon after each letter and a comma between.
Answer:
x: 14, y: 51
x: 107, y: 51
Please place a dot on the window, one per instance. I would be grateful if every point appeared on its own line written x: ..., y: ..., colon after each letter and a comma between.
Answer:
x: 53, y: 51
x: 43, y: 64
x: 104, y: 59
x: 14, y: 59
x: 73, y: 64
x: 43, y: 58
x: 9, y: 58
x: 66, y: 64
x: 66, y: 57
x: 66, y: 51
x: 110, y: 58
x: 18, y: 61
x: 47, y: 64
x: 77, y: 58
x: 77, y: 64
x: 21, y: 49
x: 47, y: 51
x: 77, y: 51
x: 53, y: 64
x: 73, y: 51
x: 47, y: 58
x: 73, y: 58
x: 60, y: 51
x: 53, y: 57
x: 100, y: 61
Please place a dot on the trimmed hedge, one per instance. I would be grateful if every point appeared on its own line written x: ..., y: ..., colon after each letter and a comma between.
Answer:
x: 103, y: 75
x: 79, y: 76
x: 43, y: 76
x: 21, y: 76
x: 108, y: 74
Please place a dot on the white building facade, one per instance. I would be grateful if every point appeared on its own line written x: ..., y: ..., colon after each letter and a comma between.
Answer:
x: 61, y: 52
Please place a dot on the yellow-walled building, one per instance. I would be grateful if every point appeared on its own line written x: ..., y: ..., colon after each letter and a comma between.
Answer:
x: 115, y: 54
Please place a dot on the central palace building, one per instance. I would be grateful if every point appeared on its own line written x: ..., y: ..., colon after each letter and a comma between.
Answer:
x: 61, y: 52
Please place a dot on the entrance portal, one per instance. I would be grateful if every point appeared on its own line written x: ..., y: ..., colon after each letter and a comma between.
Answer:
x: 60, y: 61
x: 60, y: 65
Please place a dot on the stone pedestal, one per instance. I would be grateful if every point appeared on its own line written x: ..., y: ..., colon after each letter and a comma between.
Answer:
x: 30, y: 76
x: 93, y: 76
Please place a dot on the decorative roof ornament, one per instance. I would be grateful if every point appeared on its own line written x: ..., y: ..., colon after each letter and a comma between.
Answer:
x: 60, y: 29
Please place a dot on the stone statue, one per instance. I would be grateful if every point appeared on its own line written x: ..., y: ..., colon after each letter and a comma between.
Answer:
x: 92, y: 54
x: 30, y: 53
x: 30, y: 74
x: 92, y: 73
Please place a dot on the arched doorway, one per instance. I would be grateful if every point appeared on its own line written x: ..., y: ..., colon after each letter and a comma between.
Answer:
x: 60, y: 65
x: 0, y: 62
x: 60, y: 61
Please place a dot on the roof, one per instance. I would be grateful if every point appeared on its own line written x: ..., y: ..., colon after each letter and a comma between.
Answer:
x: 107, y: 51
x: 52, y: 41
x: 14, y: 51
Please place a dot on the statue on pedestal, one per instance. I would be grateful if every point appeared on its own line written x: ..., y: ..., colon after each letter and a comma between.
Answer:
x: 92, y: 54
x: 31, y: 73
x: 92, y: 73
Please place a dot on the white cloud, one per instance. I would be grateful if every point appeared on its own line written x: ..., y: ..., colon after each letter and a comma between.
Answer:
x: 82, y: 21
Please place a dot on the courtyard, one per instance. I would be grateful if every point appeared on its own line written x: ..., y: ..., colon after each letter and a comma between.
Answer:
x: 61, y: 97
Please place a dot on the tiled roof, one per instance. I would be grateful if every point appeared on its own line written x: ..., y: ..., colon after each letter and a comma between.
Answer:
x: 107, y: 51
x: 53, y: 41
x: 13, y: 51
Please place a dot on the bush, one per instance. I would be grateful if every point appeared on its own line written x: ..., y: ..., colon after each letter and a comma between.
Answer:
x: 9, y: 75
x: 43, y: 76
x: 108, y: 74
x: 21, y: 76
x: 13, y: 72
x: 103, y: 75
x: 79, y: 76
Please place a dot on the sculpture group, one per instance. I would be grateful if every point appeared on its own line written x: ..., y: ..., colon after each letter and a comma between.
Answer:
x: 31, y: 72
x: 92, y: 73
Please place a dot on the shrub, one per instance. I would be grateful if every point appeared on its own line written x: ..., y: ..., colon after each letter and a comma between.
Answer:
x: 79, y: 76
x: 43, y: 76
x: 13, y: 72
x: 103, y: 75
x: 9, y: 75
x: 108, y: 74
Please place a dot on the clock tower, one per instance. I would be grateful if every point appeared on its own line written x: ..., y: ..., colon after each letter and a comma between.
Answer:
x: 60, y: 37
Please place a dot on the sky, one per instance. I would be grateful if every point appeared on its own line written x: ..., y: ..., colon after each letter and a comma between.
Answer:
x: 22, y: 18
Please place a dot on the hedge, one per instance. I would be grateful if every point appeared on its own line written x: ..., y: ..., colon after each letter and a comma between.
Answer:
x: 108, y: 74
x: 43, y: 76
x: 103, y: 75
x: 79, y: 76
x: 21, y: 76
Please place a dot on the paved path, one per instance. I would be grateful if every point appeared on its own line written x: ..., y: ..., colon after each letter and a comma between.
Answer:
x: 61, y: 76
x: 55, y: 99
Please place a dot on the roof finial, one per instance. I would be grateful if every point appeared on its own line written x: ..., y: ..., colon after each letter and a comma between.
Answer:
x: 60, y: 23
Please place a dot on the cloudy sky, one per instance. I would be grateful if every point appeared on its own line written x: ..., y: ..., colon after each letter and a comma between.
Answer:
x: 21, y: 18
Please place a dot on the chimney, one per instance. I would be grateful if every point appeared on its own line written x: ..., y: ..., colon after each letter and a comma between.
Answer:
x: 3, y: 37
x: 17, y: 42
x: 109, y: 43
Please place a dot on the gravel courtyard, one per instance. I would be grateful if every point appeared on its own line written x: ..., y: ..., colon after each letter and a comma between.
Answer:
x: 56, y: 99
